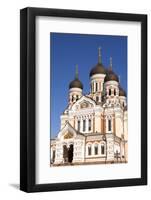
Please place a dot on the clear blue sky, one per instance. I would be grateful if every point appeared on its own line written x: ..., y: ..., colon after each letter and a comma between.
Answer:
x: 67, y: 50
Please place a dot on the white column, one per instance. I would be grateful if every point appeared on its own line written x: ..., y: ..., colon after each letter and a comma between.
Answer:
x: 100, y: 86
x: 87, y: 123
x: 91, y: 87
x: 81, y: 124
x: 91, y: 117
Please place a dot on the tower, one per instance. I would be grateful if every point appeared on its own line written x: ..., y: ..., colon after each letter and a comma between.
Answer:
x: 97, y: 75
x: 75, y: 88
x: 111, y: 84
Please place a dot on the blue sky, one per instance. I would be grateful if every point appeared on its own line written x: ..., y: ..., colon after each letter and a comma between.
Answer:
x: 67, y: 50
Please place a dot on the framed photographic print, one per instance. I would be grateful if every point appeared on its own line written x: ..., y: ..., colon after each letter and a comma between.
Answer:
x: 83, y: 99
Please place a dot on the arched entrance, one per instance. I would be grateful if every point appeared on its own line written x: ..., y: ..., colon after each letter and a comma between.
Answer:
x: 68, y: 153
x: 53, y: 156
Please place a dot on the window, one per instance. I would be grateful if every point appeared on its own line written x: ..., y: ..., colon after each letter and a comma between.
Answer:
x: 96, y: 89
x: 77, y: 97
x: 102, y: 149
x: 78, y: 125
x: 89, y: 124
x: 72, y: 98
x: 53, y: 156
x: 109, y: 91
x: 97, y: 99
x: 84, y: 123
x: 114, y: 92
x: 109, y: 125
x: 89, y: 150
x: 123, y: 104
x: 96, y: 149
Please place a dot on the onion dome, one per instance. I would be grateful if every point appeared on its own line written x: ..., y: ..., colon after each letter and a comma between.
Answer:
x: 110, y: 75
x: 99, y: 68
x: 122, y: 92
x: 76, y: 83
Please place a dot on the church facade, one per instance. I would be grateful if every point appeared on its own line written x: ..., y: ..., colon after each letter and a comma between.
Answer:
x: 93, y: 127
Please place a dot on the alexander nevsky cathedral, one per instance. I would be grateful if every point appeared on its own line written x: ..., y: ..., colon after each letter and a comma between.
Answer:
x: 93, y: 127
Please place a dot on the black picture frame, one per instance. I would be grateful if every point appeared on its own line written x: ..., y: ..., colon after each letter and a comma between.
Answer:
x: 28, y: 99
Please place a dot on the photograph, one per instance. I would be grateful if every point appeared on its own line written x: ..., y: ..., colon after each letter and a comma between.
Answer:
x: 83, y: 99
x: 88, y: 99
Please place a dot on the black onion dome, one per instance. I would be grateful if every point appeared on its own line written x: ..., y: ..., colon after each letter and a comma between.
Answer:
x: 98, y: 69
x: 76, y: 83
x: 111, y: 76
x: 122, y: 92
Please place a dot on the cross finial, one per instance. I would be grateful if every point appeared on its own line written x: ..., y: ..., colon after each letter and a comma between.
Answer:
x: 119, y: 78
x: 76, y: 72
x: 99, y: 55
x: 111, y: 64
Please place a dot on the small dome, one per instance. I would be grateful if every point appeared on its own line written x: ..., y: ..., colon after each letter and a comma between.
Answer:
x: 76, y: 83
x: 122, y: 92
x: 111, y: 76
x: 98, y: 69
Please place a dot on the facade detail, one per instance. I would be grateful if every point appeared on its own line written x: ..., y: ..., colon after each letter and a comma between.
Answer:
x: 93, y: 127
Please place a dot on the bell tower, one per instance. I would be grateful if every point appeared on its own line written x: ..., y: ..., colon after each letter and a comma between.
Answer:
x: 75, y: 88
x: 97, y: 75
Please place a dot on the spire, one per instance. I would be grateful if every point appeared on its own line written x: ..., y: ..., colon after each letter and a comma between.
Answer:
x: 76, y: 72
x: 99, y: 55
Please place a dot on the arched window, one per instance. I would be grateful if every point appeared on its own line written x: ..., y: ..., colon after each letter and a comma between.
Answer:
x: 109, y: 125
x: 96, y: 89
x: 84, y: 123
x: 89, y: 150
x: 97, y: 99
x: 89, y: 124
x: 78, y: 125
x: 102, y: 149
x: 114, y: 92
x: 109, y: 91
x: 96, y: 149
x: 77, y: 97
x: 72, y: 98
x: 123, y: 104
x: 53, y: 156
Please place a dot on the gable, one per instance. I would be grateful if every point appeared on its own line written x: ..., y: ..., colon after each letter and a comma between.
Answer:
x: 67, y: 132
x: 83, y: 103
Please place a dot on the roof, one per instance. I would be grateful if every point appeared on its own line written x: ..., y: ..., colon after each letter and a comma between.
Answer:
x: 98, y: 69
x: 76, y: 83
x: 111, y: 76
x: 122, y: 92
